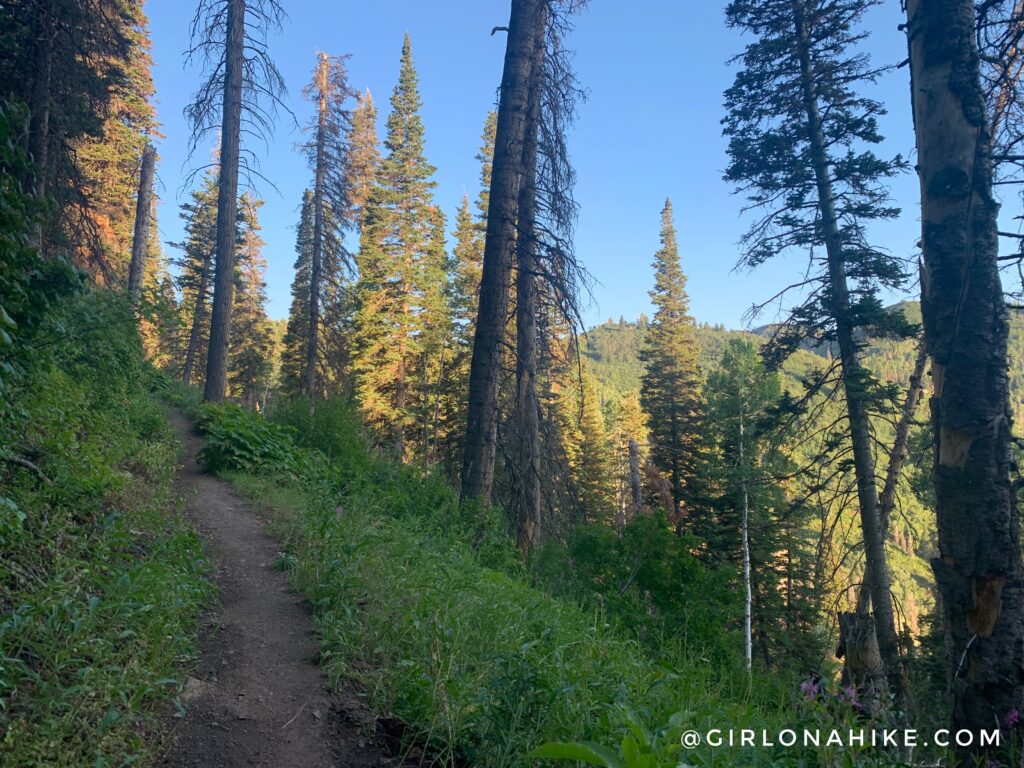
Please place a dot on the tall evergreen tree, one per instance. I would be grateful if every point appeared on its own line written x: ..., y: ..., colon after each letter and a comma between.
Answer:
x: 296, y: 337
x: 250, y: 363
x: 326, y: 151
x: 83, y: 69
x: 670, y: 385
x: 363, y: 155
x: 798, y: 133
x: 195, y: 275
x: 398, y: 313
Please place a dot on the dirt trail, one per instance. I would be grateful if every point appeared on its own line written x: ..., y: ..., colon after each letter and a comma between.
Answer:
x: 257, y: 697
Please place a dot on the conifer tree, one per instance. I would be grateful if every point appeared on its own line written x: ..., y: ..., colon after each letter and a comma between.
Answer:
x: 83, y: 69
x: 294, y: 348
x: 363, y: 155
x: 398, y: 314
x: 595, y: 476
x: 195, y: 275
x: 251, y: 346
x: 798, y: 137
x: 670, y: 384
x: 326, y: 151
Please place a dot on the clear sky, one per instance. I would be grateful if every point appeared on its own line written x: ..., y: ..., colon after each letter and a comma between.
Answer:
x: 655, y: 71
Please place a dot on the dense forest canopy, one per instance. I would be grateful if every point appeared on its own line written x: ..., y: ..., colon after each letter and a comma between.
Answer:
x: 525, y: 535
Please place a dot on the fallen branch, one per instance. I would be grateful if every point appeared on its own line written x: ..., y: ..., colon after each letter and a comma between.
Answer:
x: 19, y: 462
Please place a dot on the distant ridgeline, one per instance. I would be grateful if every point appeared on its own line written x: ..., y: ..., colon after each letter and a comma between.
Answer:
x: 613, y: 351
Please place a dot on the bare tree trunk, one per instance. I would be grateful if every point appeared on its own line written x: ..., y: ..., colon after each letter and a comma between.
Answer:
x: 227, y: 205
x: 854, y: 376
x: 898, y: 455
x: 978, y: 570
x: 526, y: 312
x: 316, y: 261
x: 198, y: 318
x: 143, y: 215
x: 748, y: 640
x: 489, y: 340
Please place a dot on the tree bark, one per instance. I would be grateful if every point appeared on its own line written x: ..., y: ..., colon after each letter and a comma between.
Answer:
x: 198, y: 318
x: 227, y: 205
x: 316, y: 261
x: 528, y: 524
x: 143, y: 215
x: 897, y: 456
x: 854, y: 376
x: 477, y: 475
x: 978, y: 570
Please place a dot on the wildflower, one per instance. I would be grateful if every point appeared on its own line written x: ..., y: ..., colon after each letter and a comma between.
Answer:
x: 809, y: 688
x: 1012, y: 718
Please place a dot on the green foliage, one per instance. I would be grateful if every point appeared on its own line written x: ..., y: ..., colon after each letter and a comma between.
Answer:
x: 101, y: 580
x: 237, y: 439
x: 424, y: 601
x: 29, y: 286
x: 650, y: 583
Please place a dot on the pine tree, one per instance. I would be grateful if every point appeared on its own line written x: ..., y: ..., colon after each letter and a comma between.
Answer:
x: 83, y: 70
x: 798, y: 133
x: 293, y: 354
x: 249, y: 365
x: 593, y: 460
x: 195, y: 275
x: 398, y: 317
x: 326, y: 151
x: 670, y: 384
x: 363, y: 155
x: 630, y: 444
x: 477, y: 476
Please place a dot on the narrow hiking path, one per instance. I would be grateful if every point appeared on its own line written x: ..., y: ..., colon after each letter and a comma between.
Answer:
x: 257, y: 697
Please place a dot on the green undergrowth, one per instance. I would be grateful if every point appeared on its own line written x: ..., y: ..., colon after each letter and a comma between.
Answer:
x: 101, y: 578
x: 432, y: 612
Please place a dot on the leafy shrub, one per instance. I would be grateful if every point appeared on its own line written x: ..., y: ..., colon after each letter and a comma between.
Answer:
x: 240, y: 440
x: 650, y: 582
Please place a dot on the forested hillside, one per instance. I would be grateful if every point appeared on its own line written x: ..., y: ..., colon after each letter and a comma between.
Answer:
x: 401, y: 506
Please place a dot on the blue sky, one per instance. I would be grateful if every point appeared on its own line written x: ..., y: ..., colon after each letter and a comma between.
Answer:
x: 655, y: 71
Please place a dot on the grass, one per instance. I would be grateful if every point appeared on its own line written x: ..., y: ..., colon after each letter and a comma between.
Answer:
x: 454, y: 640
x: 101, y: 577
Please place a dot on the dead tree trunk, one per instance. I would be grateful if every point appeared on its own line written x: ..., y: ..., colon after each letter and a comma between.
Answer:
x: 143, y: 215
x: 316, y: 260
x: 227, y: 205
x: 897, y: 456
x: 198, y: 319
x: 528, y: 524
x: 854, y: 376
x: 978, y: 570
x: 477, y: 475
